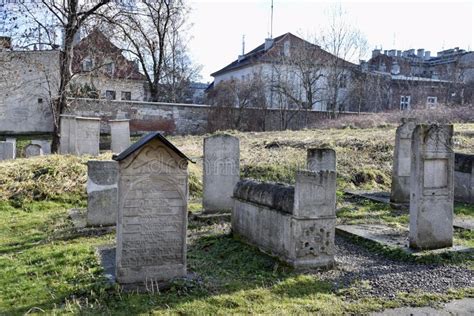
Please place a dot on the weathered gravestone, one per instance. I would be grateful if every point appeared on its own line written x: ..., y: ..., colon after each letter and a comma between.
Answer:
x: 33, y: 150
x: 321, y: 159
x: 102, y: 192
x: 221, y: 172
x: 401, y: 169
x: 87, y: 136
x: 297, y: 224
x: 13, y: 141
x: 6, y: 150
x: 45, y: 145
x: 152, y: 213
x: 67, y: 143
x: 464, y: 178
x: 120, y: 134
x: 432, y: 191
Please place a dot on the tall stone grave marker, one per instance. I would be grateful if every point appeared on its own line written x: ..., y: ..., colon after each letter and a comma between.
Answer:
x: 432, y: 189
x: 6, y: 150
x: 152, y: 213
x: 321, y: 159
x: 120, y: 134
x: 102, y: 192
x: 87, y: 136
x: 401, y: 169
x: 221, y: 172
x: 13, y: 141
x: 67, y: 144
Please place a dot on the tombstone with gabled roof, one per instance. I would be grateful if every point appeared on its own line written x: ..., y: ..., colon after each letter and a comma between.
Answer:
x: 152, y: 211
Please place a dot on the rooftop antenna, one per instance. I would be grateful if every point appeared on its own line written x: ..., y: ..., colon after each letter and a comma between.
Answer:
x: 271, y: 21
x: 243, y: 44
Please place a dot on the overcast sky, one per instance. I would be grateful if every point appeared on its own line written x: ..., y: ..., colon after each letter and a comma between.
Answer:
x: 218, y: 26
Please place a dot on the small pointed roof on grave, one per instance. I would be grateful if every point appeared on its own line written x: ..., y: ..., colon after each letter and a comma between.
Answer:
x: 145, y: 140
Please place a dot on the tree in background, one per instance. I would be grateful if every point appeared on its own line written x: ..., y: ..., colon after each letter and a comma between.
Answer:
x: 155, y: 34
x: 52, y: 22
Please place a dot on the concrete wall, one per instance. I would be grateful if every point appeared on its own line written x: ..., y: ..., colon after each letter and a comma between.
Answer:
x: 26, y: 81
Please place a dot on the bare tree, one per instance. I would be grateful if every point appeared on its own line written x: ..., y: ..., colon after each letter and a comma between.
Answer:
x: 345, y: 43
x: 65, y: 17
x: 153, y: 33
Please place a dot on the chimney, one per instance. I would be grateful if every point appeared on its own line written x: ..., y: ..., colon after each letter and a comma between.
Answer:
x: 268, y: 43
x: 399, y: 53
x: 427, y: 54
x: 392, y: 53
x: 376, y: 52
x: 420, y: 53
x: 411, y: 52
x: 5, y: 42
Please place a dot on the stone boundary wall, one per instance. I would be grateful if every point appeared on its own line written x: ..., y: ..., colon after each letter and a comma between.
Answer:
x: 464, y: 178
x: 181, y: 119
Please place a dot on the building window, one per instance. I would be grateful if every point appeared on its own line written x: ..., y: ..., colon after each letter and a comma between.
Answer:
x: 87, y: 64
x: 431, y: 102
x: 40, y: 100
x: 110, y: 68
x: 126, y: 95
x: 343, y: 81
x: 110, y: 94
x: 405, y: 102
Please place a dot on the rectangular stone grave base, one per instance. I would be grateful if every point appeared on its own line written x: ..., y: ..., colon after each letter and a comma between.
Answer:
x: 392, y: 237
x: 79, y: 220
x: 211, y: 218
x: 106, y: 256
x: 384, y: 197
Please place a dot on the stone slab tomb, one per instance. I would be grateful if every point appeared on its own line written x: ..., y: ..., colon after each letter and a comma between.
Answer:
x: 464, y: 178
x: 152, y: 213
x: 45, y: 145
x: 87, y: 136
x: 80, y: 135
x: 432, y: 189
x: 33, y: 150
x: 67, y: 143
x: 120, y: 134
x: 401, y: 169
x: 7, y: 151
x: 296, y: 224
x: 102, y: 192
x: 221, y: 172
x: 13, y: 141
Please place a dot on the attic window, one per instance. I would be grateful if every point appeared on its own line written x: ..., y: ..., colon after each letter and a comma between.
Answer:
x: 286, y: 48
x: 110, y: 68
x: 87, y: 64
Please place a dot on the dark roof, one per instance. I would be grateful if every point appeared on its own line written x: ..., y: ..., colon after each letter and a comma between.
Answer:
x: 145, y: 140
x: 249, y: 57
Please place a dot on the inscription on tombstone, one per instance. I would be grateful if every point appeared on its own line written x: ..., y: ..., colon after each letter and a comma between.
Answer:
x: 221, y: 172
x: 432, y: 188
x: 401, y: 169
x: 152, y: 214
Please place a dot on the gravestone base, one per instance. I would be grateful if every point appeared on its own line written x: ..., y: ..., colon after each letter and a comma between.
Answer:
x: 384, y: 197
x: 79, y: 220
x: 106, y: 256
x: 392, y: 237
x: 211, y: 217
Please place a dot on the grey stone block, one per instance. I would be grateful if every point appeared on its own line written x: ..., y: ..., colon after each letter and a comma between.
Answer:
x: 432, y: 189
x: 221, y: 172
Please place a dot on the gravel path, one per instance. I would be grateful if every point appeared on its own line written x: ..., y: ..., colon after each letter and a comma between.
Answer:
x: 387, y: 277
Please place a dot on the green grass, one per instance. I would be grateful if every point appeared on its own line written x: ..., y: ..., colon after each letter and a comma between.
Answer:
x: 46, y: 266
